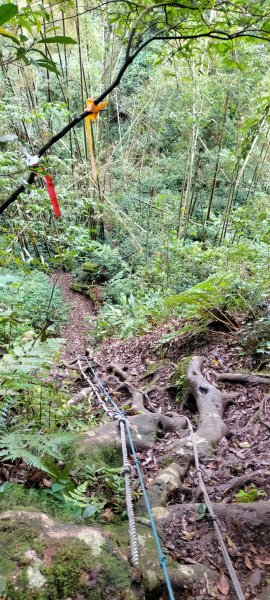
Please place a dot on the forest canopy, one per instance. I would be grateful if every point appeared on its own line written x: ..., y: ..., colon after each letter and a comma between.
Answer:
x: 134, y: 240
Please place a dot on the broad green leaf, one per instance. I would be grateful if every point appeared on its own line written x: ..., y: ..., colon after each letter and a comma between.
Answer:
x: 7, y: 11
x: 90, y: 510
x: 57, y: 39
x: 9, y: 35
x: 45, y: 64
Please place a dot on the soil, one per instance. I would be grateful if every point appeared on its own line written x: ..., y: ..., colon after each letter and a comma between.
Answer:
x: 76, y: 332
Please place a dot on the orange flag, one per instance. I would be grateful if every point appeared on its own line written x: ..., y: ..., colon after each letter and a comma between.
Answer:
x: 94, y: 109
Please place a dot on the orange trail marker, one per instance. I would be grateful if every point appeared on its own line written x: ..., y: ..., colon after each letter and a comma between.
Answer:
x: 94, y: 109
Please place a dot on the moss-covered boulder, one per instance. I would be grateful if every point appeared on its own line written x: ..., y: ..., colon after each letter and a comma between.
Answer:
x: 88, y: 274
x: 45, y: 560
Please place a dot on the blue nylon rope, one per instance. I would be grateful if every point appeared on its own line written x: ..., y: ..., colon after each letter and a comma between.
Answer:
x: 161, y: 555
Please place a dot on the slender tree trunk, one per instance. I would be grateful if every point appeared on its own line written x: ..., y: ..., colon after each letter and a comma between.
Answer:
x: 214, y: 182
x: 259, y: 167
x: 239, y: 174
x: 81, y: 74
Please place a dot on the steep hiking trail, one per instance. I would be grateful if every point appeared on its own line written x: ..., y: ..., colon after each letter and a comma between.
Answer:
x: 157, y: 385
x: 80, y: 309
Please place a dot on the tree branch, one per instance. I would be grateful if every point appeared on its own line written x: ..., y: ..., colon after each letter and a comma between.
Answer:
x: 129, y: 58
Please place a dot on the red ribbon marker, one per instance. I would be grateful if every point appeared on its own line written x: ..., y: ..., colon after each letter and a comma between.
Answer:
x: 53, y: 197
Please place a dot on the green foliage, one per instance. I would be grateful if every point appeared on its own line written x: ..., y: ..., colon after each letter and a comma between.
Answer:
x: 91, y: 506
x: 129, y: 317
x: 31, y: 299
x: 27, y: 21
x: 110, y: 485
x: 7, y: 11
x: 251, y: 494
x: 140, y: 231
x: 37, y: 450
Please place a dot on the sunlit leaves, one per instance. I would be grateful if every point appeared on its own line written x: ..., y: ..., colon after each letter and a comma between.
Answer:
x: 57, y: 39
x: 30, y: 24
x: 7, y: 12
x: 9, y: 35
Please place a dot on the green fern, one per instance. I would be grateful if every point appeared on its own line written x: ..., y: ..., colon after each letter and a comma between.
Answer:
x: 206, y: 293
x: 78, y: 496
x: 91, y: 505
x: 39, y: 451
x: 202, y: 300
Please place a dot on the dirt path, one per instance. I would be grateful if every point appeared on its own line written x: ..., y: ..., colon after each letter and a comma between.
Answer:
x: 77, y: 328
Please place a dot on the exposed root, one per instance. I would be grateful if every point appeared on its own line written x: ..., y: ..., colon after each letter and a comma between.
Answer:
x: 254, y: 514
x: 81, y: 396
x: 211, y: 404
x: 248, y: 379
x: 238, y: 482
x: 144, y: 425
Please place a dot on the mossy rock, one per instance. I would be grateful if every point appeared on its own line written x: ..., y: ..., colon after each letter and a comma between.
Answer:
x: 45, y: 560
x: 95, y: 294
x: 89, y: 273
x: 179, y: 378
x: 79, y: 287
x: 90, y: 267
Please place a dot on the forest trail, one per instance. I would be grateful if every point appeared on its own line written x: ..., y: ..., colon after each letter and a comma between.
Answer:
x: 80, y: 308
x: 239, y: 465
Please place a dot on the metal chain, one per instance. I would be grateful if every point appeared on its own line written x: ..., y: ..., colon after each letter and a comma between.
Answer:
x: 161, y: 555
x: 103, y: 404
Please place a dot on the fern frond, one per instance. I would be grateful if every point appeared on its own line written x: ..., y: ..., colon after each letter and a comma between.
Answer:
x: 35, y: 449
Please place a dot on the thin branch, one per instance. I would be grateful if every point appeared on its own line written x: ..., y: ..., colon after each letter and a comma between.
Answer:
x: 214, y: 34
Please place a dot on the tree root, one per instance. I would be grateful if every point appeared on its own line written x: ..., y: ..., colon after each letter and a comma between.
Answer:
x: 144, y: 424
x: 237, y: 482
x: 211, y: 404
x: 249, y: 379
x: 253, y: 514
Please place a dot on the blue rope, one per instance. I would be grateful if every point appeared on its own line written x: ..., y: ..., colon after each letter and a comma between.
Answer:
x: 161, y: 555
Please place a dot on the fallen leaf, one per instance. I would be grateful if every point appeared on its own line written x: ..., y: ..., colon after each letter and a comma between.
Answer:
x: 255, y: 578
x: 188, y: 535
x: 223, y: 584
x: 108, y: 514
x: 170, y: 545
x: 47, y: 483
x: 265, y: 560
x: 258, y: 562
x: 244, y: 444
x: 247, y: 562
x: 230, y: 541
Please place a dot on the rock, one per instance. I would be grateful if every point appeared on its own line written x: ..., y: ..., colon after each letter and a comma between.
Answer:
x: 44, y: 560
x: 96, y: 444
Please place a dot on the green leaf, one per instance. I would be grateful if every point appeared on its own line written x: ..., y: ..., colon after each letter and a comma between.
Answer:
x: 7, y: 11
x: 57, y: 39
x: 44, y: 64
x: 6, y: 34
x: 90, y: 510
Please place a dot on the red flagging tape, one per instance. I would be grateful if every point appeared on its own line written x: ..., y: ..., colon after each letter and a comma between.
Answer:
x: 53, y: 197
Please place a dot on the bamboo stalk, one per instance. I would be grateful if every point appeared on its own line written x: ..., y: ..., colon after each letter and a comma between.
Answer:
x: 221, y: 137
